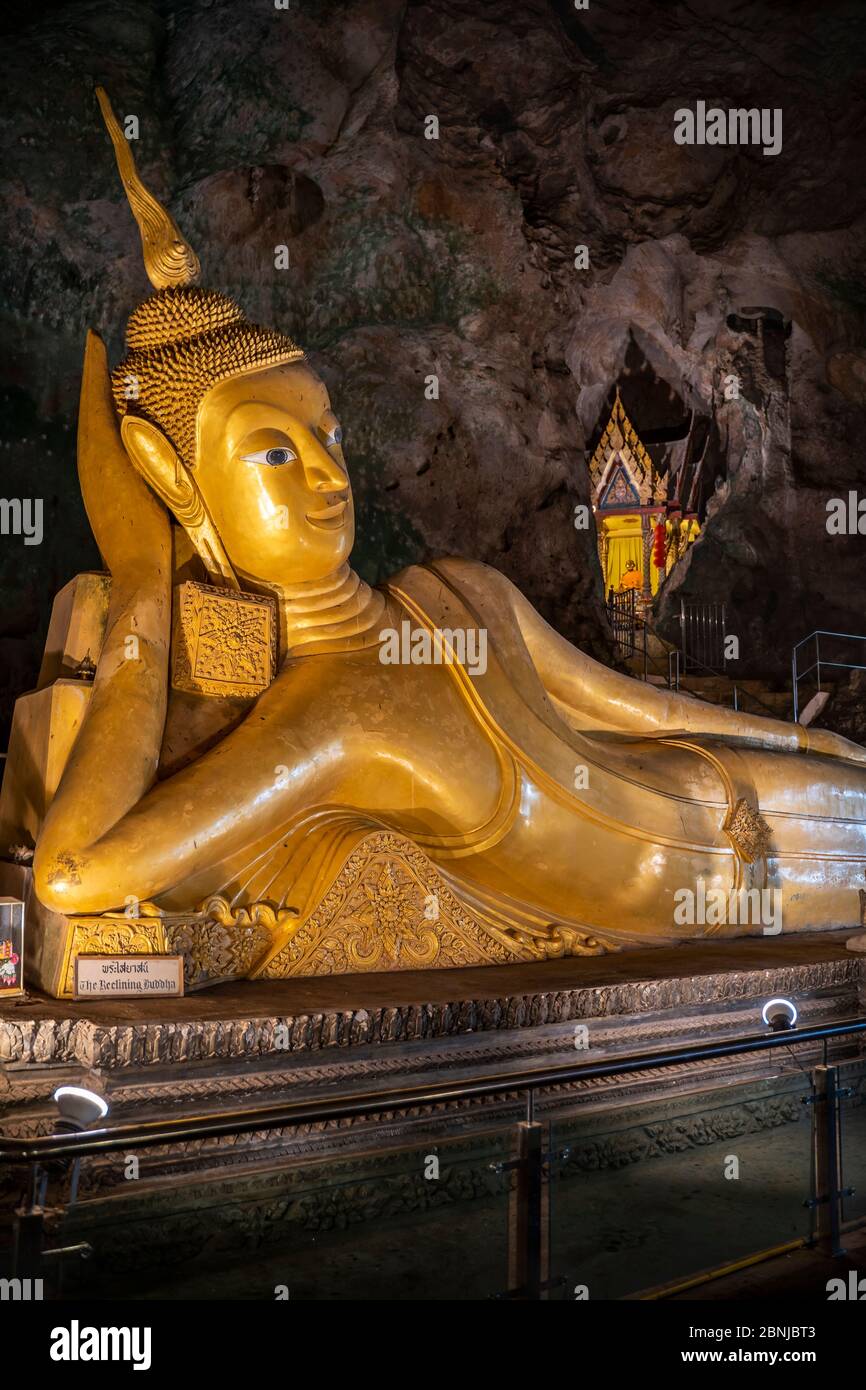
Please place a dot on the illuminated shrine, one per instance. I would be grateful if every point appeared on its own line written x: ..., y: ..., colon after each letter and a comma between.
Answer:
x: 645, y: 518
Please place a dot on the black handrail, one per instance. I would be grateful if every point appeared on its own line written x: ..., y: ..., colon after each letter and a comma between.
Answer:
x: 797, y: 675
x: 738, y: 689
x: 720, y: 675
x: 146, y: 1134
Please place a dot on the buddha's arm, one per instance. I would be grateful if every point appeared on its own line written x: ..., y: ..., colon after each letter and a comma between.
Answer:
x: 115, y: 756
x: 620, y: 703
x: 110, y: 833
x: 249, y: 785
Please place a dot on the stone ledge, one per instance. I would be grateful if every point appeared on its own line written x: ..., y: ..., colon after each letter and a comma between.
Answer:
x: 165, y: 1032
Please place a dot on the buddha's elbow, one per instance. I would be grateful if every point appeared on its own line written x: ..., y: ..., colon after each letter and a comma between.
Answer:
x: 62, y: 883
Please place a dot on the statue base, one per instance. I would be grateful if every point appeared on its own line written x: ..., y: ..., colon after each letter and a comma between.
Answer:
x: 381, y: 905
x: 256, y: 1042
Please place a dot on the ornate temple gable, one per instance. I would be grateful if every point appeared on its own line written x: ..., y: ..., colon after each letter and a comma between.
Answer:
x: 620, y: 469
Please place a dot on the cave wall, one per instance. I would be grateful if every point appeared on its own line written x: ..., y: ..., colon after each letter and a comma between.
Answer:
x: 411, y: 257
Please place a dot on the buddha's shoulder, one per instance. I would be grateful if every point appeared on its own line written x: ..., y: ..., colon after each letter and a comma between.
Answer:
x: 471, y: 579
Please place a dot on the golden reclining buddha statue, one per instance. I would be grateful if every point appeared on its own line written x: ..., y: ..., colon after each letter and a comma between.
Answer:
x: 286, y: 772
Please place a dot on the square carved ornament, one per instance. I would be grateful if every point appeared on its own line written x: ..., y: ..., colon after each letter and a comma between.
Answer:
x: 223, y: 642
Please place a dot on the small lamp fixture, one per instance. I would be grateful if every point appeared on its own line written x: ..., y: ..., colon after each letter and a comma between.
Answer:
x: 78, y: 1108
x: 780, y: 1015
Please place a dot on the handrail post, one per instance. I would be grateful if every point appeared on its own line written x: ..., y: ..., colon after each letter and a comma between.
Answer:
x: 526, y: 1256
x: 794, y: 679
x: 827, y: 1151
x: 28, y: 1234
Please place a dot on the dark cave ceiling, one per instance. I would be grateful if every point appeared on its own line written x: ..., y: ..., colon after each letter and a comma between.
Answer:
x: 456, y: 257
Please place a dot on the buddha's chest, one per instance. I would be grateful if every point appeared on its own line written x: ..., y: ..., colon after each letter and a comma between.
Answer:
x: 420, y: 751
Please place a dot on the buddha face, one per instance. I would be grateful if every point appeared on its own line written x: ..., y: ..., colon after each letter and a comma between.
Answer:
x: 270, y: 470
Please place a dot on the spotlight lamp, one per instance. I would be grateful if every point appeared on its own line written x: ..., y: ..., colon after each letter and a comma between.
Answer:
x: 779, y: 1015
x: 79, y: 1108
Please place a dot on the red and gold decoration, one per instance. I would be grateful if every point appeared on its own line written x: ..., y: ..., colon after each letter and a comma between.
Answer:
x: 642, y: 528
x: 11, y: 947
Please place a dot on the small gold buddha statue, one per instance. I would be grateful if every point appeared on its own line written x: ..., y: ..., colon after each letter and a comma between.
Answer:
x: 247, y: 762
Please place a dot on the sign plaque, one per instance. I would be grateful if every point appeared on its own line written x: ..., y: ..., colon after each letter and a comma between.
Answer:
x: 119, y: 977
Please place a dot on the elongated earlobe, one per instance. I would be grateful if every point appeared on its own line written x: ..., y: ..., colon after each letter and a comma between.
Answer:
x: 158, y: 462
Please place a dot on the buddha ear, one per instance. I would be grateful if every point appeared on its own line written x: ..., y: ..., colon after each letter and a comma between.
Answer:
x: 158, y: 462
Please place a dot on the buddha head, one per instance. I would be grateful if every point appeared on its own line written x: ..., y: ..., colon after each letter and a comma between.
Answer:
x: 235, y: 433
x: 226, y: 421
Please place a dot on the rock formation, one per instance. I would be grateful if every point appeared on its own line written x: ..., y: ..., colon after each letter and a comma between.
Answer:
x: 412, y: 258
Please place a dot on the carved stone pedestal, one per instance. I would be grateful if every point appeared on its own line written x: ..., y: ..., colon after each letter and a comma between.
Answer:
x: 257, y: 1042
x: 380, y: 905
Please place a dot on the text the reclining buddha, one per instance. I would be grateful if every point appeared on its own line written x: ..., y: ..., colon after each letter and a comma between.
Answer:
x: 328, y: 798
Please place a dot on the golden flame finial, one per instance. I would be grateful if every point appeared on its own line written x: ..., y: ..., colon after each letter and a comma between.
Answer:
x: 168, y: 257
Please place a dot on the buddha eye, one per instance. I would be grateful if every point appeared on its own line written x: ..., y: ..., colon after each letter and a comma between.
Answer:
x: 273, y: 458
x: 333, y: 436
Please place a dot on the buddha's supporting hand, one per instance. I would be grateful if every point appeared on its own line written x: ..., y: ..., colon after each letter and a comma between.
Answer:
x: 115, y: 757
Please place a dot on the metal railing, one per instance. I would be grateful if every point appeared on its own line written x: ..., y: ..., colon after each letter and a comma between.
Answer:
x: 622, y: 616
x: 527, y: 1248
x: 738, y: 692
x: 798, y: 675
x: 703, y: 628
x: 678, y: 669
